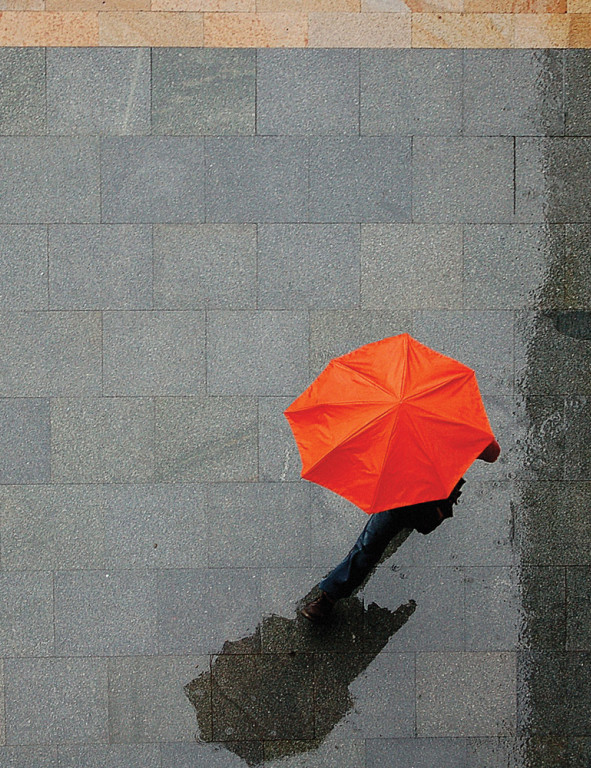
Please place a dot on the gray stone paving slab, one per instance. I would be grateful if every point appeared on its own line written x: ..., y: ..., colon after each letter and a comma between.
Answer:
x: 577, y: 456
x: 411, y: 92
x: 50, y: 354
x: 505, y: 265
x: 26, y: 614
x: 554, y: 542
x: 101, y: 266
x: 2, y: 717
x: 509, y: 423
x: 493, y: 609
x: 24, y: 440
x: 504, y: 752
x: 308, y: 92
x: 201, y: 608
x: 360, y: 179
x: 56, y: 701
x: 28, y: 757
x: 282, y: 589
x: 438, y: 621
x: 22, y: 91
x: 47, y: 180
x: 548, y: 676
x: 262, y: 524
x: 199, y: 756
x: 279, y: 459
x: 126, y: 756
x: 483, y: 340
x: 579, y: 751
x: 544, y: 457
x: 577, y: 71
x: 551, y: 179
x: 578, y: 581
x: 313, y: 266
x: 336, y: 524
x: 411, y: 266
x: 206, y: 439
x: 563, y: 360
x: 155, y: 526
x: 51, y: 528
x: 257, y: 353
x: 23, y: 267
x: 104, y: 440
x: 284, y: 713
x: 462, y: 179
x: 205, y: 266
x: 147, y: 703
x: 262, y: 179
x: 384, y: 698
x: 334, y: 333
x: 513, y: 93
x: 203, y: 91
x: 479, y: 534
x: 98, y: 91
x: 105, y: 613
x: 544, y: 603
x: 153, y: 353
x: 466, y: 694
x: 156, y: 179
x: 416, y: 753
x: 577, y: 287
x: 331, y: 753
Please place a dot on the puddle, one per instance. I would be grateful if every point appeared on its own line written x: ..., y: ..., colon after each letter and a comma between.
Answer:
x: 576, y: 324
x: 285, y: 687
x: 281, y: 690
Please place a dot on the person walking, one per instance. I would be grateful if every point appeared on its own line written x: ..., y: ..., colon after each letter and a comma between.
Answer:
x: 378, y: 532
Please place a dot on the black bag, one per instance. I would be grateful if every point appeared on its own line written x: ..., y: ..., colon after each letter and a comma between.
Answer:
x: 430, y: 514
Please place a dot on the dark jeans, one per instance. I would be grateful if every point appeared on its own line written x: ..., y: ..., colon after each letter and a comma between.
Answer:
x: 379, y: 531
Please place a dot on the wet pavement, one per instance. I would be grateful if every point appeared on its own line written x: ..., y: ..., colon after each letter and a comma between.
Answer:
x: 184, y: 244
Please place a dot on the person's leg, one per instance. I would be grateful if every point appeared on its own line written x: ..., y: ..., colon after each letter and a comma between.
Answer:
x: 379, y: 530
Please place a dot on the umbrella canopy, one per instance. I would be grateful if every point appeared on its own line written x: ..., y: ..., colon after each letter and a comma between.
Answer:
x: 390, y: 424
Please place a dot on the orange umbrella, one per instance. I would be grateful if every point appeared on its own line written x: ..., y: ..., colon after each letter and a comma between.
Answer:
x: 390, y: 424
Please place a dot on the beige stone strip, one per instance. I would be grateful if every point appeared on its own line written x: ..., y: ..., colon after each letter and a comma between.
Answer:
x: 543, y: 30
x: 579, y: 33
x: 200, y: 6
x: 579, y: 6
x: 42, y: 28
x: 462, y: 30
x: 97, y: 5
x: 359, y: 30
x: 384, y: 6
x: 309, y: 6
x: 515, y: 6
x: 255, y: 30
x: 435, y: 6
x: 151, y: 29
x: 22, y: 5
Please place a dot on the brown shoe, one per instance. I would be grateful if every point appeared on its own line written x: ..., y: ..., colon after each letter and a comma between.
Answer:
x: 320, y: 609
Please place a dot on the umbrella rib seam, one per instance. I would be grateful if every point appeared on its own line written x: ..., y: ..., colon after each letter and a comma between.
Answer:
x: 350, y: 437
x: 437, y: 386
x: 371, y: 381
x: 448, y: 419
x: 340, y: 402
x: 379, y: 483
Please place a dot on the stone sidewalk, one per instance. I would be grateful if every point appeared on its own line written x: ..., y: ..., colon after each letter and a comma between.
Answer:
x: 186, y: 238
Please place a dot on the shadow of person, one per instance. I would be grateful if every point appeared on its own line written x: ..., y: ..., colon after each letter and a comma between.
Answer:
x: 281, y: 690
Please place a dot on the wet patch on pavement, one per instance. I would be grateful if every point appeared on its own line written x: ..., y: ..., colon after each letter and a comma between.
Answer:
x: 286, y: 698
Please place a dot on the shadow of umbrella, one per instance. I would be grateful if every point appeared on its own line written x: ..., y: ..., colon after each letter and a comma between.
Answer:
x: 281, y: 690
